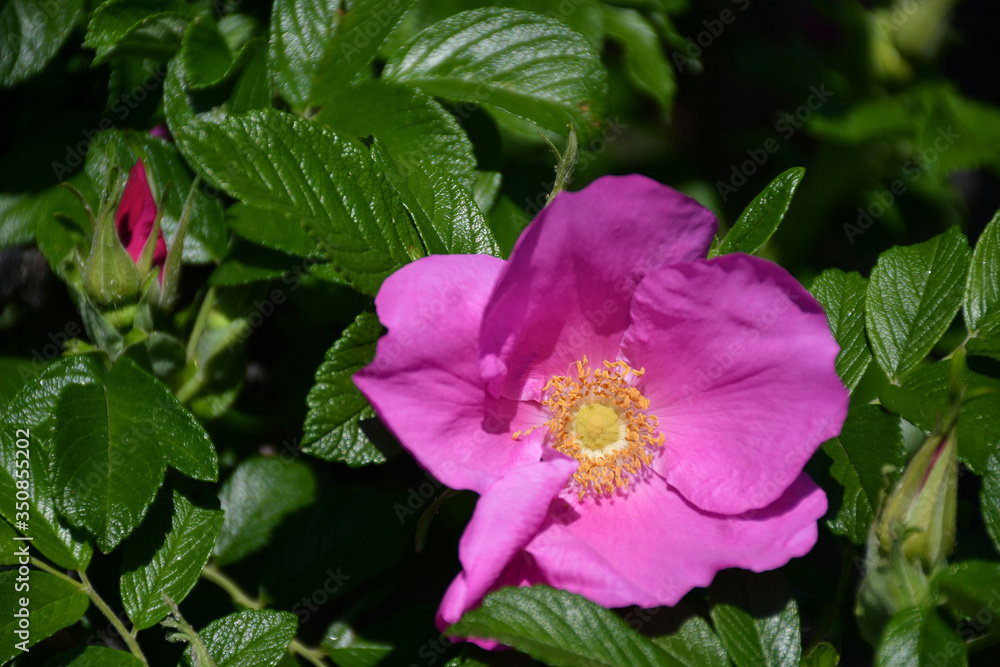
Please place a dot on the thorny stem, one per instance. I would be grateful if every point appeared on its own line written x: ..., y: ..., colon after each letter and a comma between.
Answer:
x: 186, y: 633
x: 218, y: 577
x: 126, y: 636
x: 42, y: 565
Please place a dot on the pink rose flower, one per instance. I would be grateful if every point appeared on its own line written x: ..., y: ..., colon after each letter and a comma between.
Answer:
x: 634, y: 416
x: 135, y: 217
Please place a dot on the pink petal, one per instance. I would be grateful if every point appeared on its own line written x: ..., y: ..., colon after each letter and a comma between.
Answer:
x: 740, y: 370
x: 566, y: 290
x: 136, y: 213
x: 506, y: 518
x: 424, y: 382
x: 649, y: 547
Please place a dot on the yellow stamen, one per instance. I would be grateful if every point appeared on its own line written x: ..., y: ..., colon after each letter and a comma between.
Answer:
x: 599, y: 419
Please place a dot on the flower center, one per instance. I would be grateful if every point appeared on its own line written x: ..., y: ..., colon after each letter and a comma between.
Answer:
x: 600, y: 419
x: 597, y: 426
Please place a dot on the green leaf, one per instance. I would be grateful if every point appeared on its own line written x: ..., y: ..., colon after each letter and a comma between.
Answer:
x: 558, y: 628
x: 349, y: 52
x: 166, y: 555
x: 989, y: 499
x: 445, y: 213
x: 154, y: 26
x: 843, y: 298
x: 513, y: 63
x: 271, y: 229
x: 870, y: 440
x: 919, y: 637
x: 252, y: 637
x: 417, y: 130
x: 8, y: 544
x: 924, y: 399
x: 256, y: 497
x: 970, y: 587
x: 94, y: 656
x: 112, y: 445
x: 206, y: 55
x: 14, y: 374
x: 646, y: 64
x: 982, y: 292
x: 32, y: 32
x: 823, y: 655
x: 987, y: 340
x: 33, y: 409
x: 53, y: 604
x: 302, y: 32
x: 185, y: 443
x: 346, y: 649
x: 761, y: 218
x: 757, y: 619
x: 20, y: 214
x: 695, y: 644
x: 913, y: 295
x: 336, y: 407
x: 253, y: 87
x: 294, y: 166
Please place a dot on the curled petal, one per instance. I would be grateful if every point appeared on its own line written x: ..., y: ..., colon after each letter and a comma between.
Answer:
x: 566, y: 289
x: 506, y: 518
x: 424, y: 382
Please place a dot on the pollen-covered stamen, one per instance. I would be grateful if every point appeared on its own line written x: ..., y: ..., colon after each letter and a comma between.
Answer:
x: 599, y: 419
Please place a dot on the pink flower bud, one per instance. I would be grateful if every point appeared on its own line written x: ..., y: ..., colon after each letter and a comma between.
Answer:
x: 135, y: 217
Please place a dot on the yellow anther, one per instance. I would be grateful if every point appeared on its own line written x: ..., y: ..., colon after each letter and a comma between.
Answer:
x: 600, y: 420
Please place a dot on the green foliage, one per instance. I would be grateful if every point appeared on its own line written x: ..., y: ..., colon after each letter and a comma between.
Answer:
x: 346, y: 649
x: 52, y: 604
x: 32, y: 33
x: 989, y: 496
x: 913, y: 295
x: 336, y: 407
x: 94, y: 656
x: 531, y: 68
x: 427, y: 135
x: 559, y: 628
x: 352, y: 214
x: 646, y: 64
x: 165, y: 556
x: 869, y: 446
x: 756, y: 621
x: 982, y: 293
x: 695, y: 644
x: 924, y: 399
x: 116, y: 433
x: 919, y: 637
x: 843, y: 298
x: 761, y: 218
x: 251, y: 637
x: 334, y: 142
x: 256, y: 497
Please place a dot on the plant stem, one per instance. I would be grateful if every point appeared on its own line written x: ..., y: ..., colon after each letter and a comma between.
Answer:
x: 126, y: 636
x: 313, y: 655
x: 199, y: 324
x: 218, y: 577
x: 186, y: 633
x: 42, y: 565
